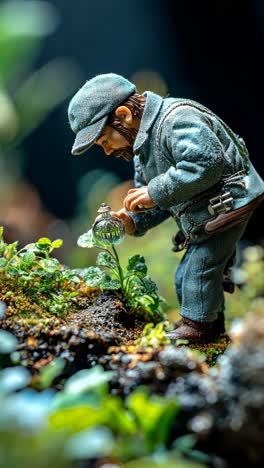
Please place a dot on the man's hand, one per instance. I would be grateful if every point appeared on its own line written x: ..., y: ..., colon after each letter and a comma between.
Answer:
x: 127, y: 220
x: 138, y: 199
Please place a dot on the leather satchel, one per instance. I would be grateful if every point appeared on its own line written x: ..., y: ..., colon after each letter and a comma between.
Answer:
x: 226, y: 220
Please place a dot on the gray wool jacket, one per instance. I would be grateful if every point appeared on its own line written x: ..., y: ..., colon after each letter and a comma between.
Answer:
x: 186, y: 156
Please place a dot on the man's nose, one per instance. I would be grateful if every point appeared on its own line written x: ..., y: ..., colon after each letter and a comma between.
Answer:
x: 107, y: 149
x: 104, y: 146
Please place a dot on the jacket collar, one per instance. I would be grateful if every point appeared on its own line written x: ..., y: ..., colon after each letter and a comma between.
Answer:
x: 151, y: 110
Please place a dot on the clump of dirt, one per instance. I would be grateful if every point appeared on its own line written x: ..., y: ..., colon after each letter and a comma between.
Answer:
x: 80, y: 338
x: 109, y: 315
x: 154, y: 368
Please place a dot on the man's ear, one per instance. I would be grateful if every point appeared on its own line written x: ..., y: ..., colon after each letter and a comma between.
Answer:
x: 125, y: 115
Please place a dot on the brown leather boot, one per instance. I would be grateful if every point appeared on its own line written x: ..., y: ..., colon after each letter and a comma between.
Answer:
x: 194, y: 332
x: 218, y: 325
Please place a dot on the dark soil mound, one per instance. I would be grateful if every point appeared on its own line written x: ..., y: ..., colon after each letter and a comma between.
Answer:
x: 109, y: 316
x: 81, y: 338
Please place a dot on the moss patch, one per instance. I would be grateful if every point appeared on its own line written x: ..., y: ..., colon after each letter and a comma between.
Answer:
x: 213, y: 350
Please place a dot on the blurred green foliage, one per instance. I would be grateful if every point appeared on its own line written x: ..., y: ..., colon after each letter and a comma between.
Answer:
x: 154, y: 336
x: 27, y: 97
x: 27, y: 93
x: 81, y: 422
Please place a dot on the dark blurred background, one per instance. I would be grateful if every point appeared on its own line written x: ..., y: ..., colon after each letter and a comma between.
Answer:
x: 210, y: 51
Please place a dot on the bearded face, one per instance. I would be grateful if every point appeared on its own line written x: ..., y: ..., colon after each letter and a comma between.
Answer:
x: 129, y: 134
x: 124, y: 153
x: 120, y: 131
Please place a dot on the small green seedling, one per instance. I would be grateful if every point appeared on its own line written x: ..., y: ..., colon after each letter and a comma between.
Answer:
x: 138, y: 288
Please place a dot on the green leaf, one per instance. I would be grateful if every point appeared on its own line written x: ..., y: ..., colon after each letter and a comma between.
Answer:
x: 181, y: 342
x: 73, y: 294
x: 11, y: 250
x: 13, y: 378
x: 92, y: 443
x: 42, y: 91
x: 147, y: 300
x: 43, y: 243
x: 70, y: 275
x: 3, y: 246
x: 3, y: 262
x: 86, y: 240
x: 86, y: 387
x: 77, y: 418
x: 94, y: 379
x: 105, y: 259
x: 133, y: 285
x: 30, y: 246
x: 149, y: 327
x: 149, y: 285
x: 154, y: 416
x: 184, y: 444
x: 136, y: 264
x: 23, y: 23
x: 64, y: 400
x: 8, y: 342
x: 108, y: 283
x: 154, y: 336
x: 214, y: 351
x: 119, y: 419
x: 49, y: 372
x: 26, y: 277
x: 28, y: 259
x: 1, y: 232
x: 56, y: 244
x: 50, y: 264
x: 93, y: 276
x: 13, y: 270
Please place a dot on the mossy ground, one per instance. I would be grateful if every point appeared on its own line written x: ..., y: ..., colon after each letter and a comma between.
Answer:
x: 93, y: 322
x: 213, y: 350
x: 26, y: 307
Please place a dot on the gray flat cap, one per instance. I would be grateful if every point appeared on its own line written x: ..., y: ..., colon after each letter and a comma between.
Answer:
x: 90, y: 106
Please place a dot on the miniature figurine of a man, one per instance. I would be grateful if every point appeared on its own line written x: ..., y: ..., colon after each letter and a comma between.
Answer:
x: 189, y: 165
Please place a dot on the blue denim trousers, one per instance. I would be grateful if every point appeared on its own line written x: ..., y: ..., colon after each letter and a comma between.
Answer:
x: 199, y: 276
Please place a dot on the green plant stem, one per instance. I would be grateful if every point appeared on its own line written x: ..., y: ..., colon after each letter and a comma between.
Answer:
x: 126, y: 284
x: 120, y: 271
x: 115, y: 271
x: 127, y: 288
